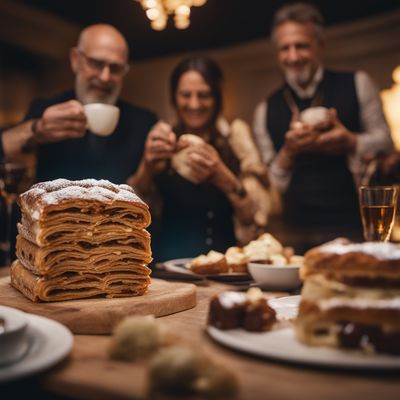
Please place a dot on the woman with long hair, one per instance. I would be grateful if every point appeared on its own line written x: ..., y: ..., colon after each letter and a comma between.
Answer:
x: 201, y: 194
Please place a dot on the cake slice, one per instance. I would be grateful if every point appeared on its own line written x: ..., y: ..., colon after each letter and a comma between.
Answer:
x: 351, y: 297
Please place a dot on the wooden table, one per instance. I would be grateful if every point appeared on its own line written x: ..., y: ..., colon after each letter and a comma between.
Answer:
x: 89, y: 374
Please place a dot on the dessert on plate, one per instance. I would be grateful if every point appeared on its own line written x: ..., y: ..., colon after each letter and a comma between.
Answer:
x: 262, y: 248
x: 250, y: 311
x: 351, y: 297
x: 266, y: 249
x: 211, y: 263
x: 237, y: 259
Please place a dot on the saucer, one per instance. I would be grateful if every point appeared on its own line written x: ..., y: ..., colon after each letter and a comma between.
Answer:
x: 48, y: 343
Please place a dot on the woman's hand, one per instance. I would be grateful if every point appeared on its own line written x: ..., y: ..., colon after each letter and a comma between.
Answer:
x: 159, y: 147
x: 206, y: 164
x: 204, y: 161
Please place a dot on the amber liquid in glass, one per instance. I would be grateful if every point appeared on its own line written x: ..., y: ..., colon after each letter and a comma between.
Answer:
x: 378, y: 222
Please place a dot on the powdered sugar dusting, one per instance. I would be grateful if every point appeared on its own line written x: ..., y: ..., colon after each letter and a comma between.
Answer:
x: 229, y: 299
x: 381, y: 250
x: 54, y: 192
x: 392, y: 304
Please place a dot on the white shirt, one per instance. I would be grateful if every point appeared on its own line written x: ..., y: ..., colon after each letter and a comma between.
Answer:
x: 374, y: 138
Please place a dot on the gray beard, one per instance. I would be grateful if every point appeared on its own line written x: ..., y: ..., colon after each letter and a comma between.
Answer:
x: 299, y: 79
x: 87, y: 98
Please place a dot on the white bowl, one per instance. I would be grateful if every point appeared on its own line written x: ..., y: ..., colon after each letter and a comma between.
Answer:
x: 13, y: 338
x: 281, y: 277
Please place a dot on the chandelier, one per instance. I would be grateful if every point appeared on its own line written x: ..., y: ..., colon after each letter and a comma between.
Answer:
x: 157, y: 11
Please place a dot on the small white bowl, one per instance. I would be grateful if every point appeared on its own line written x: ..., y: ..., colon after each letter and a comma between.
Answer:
x: 281, y: 277
x: 13, y: 338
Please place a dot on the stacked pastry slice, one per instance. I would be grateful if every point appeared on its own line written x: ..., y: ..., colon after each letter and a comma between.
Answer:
x: 351, y: 297
x: 79, y: 239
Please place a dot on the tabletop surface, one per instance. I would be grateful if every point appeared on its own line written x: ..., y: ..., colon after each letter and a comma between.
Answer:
x: 88, y: 373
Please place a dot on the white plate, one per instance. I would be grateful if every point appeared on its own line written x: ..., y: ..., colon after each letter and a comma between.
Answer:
x: 179, y: 265
x: 49, y: 343
x: 282, y: 345
x: 182, y: 265
x: 286, y: 307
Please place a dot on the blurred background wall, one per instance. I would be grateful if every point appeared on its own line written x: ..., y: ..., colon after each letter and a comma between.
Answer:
x: 35, y: 43
x: 251, y: 72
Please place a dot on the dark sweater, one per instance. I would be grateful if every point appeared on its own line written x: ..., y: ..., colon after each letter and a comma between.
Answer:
x: 114, y: 157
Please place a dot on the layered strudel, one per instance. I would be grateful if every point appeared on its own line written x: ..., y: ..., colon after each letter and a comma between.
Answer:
x: 81, y: 239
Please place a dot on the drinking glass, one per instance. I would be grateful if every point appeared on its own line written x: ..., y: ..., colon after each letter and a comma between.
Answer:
x: 378, y: 210
x: 12, y: 175
x: 395, y: 236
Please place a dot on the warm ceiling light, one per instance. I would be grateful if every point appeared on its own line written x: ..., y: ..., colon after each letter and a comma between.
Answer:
x: 396, y: 75
x: 157, y: 12
x: 159, y: 24
x: 183, y: 9
x: 181, y: 22
x: 153, y: 13
x: 150, y: 3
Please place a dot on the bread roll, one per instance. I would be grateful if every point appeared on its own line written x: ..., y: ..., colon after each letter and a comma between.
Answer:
x: 210, y: 264
x: 179, y: 161
x: 237, y: 259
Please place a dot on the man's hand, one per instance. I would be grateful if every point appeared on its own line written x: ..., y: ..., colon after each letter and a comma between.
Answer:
x: 159, y: 147
x: 62, y: 121
x: 299, y: 139
x: 338, y: 140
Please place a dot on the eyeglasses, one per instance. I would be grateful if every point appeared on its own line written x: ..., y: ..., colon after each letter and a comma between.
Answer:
x: 97, y: 65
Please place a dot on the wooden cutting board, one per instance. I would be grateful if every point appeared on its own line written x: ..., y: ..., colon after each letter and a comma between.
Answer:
x: 99, y: 316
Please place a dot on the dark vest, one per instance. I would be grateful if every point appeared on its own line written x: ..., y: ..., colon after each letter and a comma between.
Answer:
x: 321, y: 191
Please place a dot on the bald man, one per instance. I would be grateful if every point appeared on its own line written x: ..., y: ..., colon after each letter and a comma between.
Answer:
x: 57, y: 127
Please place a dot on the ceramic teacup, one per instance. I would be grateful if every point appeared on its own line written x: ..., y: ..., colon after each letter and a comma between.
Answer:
x: 13, y: 335
x: 102, y: 118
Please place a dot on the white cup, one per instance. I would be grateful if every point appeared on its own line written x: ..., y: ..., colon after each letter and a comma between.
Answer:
x: 102, y: 118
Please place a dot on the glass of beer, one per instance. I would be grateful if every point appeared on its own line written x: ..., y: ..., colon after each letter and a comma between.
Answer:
x: 378, y: 210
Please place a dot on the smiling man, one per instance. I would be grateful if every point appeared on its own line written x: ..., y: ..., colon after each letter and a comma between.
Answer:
x: 317, y: 173
x: 57, y: 128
